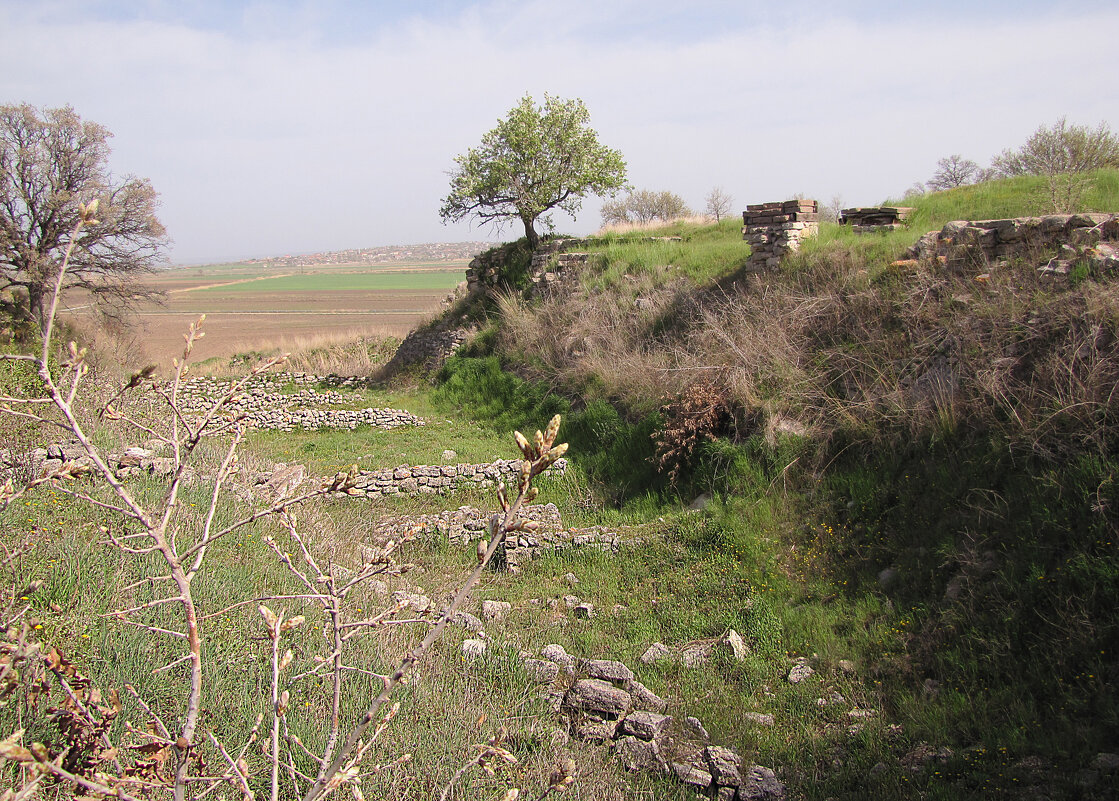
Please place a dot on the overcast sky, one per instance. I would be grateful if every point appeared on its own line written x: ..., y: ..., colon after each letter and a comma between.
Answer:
x: 296, y: 126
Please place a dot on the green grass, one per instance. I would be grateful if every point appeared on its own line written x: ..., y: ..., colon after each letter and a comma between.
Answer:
x: 703, y: 253
x: 1007, y: 197
x: 347, y: 282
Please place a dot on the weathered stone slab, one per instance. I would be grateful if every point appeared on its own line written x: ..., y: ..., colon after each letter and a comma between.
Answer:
x: 595, y: 695
x: 646, y: 725
x: 608, y: 670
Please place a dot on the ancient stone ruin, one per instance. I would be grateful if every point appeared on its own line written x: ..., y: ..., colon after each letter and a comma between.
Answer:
x: 429, y: 347
x: 774, y: 229
x: 867, y: 220
x: 1059, y: 241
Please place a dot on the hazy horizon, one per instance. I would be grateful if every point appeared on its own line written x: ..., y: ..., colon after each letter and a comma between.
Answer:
x: 299, y: 127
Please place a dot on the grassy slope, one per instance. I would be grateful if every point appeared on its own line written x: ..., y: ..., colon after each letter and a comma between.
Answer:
x: 993, y: 629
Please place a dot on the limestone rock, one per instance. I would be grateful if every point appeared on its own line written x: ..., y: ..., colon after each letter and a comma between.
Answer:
x: 646, y: 725
x: 496, y: 610
x: 593, y: 727
x: 760, y: 718
x: 584, y: 611
x: 800, y: 671
x: 636, y: 754
x: 736, y: 645
x: 595, y: 695
x: 541, y: 670
x: 696, y: 726
x: 655, y: 652
x: 555, y: 653
x: 692, y: 774
x: 608, y: 670
x: 467, y: 621
x: 723, y: 765
x: 414, y: 601
x: 645, y: 699
x: 473, y: 649
x: 760, y: 784
x: 696, y: 654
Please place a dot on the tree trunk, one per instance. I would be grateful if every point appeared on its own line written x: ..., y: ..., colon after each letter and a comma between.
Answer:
x: 36, y: 306
x: 530, y: 234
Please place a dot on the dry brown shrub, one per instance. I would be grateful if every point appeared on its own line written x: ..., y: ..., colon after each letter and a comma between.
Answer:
x: 699, y: 414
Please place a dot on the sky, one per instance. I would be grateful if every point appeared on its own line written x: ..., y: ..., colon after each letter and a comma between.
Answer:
x: 296, y: 126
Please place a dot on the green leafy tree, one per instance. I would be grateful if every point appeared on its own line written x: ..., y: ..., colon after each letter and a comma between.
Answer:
x: 50, y: 163
x: 535, y: 160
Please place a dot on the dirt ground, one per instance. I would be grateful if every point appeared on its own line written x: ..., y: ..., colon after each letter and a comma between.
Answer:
x: 243, y: 320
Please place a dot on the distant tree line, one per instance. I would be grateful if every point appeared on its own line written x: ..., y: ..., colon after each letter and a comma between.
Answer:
x: 1063, y: 153
x: 642, y: 206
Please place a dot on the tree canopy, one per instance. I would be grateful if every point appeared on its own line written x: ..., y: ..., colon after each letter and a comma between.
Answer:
x: 953, y: 171
x: 537, y: 159
x: 1062, y: 149
x: 50, y: 163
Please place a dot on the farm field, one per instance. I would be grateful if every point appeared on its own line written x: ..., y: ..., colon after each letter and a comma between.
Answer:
x: 254, y: 307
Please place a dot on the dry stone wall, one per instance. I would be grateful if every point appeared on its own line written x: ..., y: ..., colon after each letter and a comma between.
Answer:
x: 602, y: 700
x: 468, y: 524
x: 428, y: 347
x: 1058, y: 240
x: 262, y: 404
x: 442, y: 479
x: 774, y: 229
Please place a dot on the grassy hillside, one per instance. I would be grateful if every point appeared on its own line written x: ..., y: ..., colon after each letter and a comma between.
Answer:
x: 904, y: 477
x: 945, y: 513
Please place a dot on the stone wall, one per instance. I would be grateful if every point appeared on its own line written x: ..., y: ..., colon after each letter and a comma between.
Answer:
x: 429, y: 347
x: 774, y: 229
x: 548, y: 261
x: 601, y: 700
x: 1058, y: 240
x: 441, y: 479
x: 865, y: 220
x: 262, y: 404
x: 468, y: 524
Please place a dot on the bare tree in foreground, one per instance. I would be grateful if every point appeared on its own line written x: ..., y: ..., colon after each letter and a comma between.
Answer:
x: 175, y: 755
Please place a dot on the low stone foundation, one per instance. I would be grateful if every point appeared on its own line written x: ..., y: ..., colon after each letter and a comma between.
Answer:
x: 1060, y: 239
x: 441, y: 479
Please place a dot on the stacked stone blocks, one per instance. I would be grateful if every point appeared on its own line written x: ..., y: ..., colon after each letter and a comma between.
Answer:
x: 774, y: 229
x: 869, y: 219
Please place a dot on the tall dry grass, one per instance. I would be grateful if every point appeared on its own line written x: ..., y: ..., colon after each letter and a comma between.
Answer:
x: 356, y: 352
x: 842, y: 340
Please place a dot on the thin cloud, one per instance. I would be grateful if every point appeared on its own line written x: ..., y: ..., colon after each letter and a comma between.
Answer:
x: 288, y: 130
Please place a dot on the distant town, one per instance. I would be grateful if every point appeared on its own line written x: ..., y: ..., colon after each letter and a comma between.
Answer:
x: 385, y: 254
